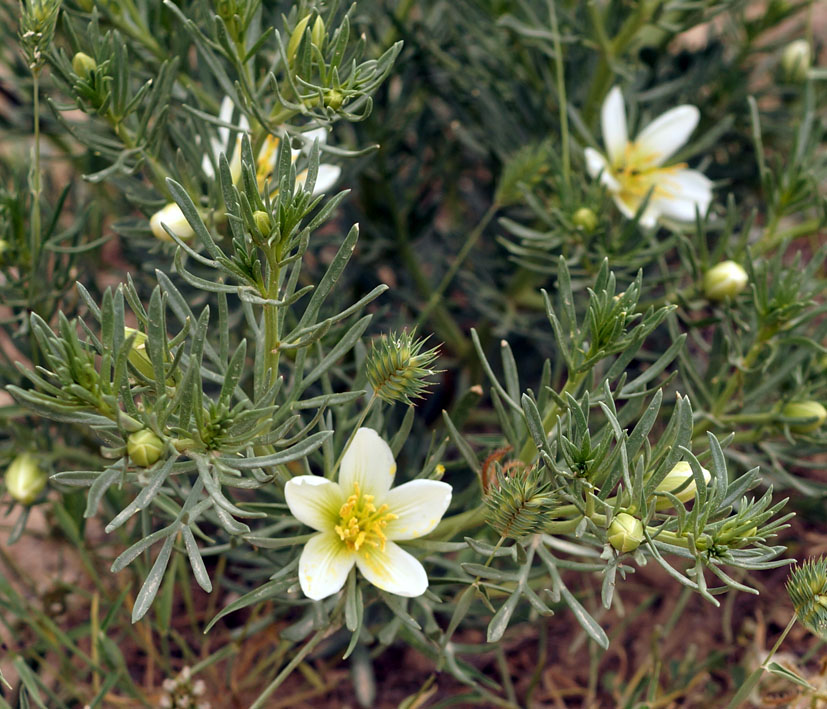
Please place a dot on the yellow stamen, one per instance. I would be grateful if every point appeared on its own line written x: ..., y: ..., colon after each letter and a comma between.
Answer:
x: 637, y: 172
x: 360, y: 522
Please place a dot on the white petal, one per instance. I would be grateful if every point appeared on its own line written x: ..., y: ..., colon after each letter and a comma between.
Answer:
x: 613, y: 125
x: 418, y: 506
x: 668, y: 132
x: 173, y: 218
x: 324, y: 565
x: 685, y: 190
x: 225, y: 114
x: 649, y: 217
x: 393, y: 570
x: 596, y: 165
x: 369, y: 463
x: 314, y: 501
x: 319, y: 134
x: 327, y: 176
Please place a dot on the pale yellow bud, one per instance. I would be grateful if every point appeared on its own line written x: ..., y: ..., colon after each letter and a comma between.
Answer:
x: 585, y: 219
x: 263, y: 222
x: 83, y: 64
x: 674, y: 479
x: 796, y: 61
x: 144, y: 448
x: 805, y: 409
x: 296, y: 37
x: 625, y: 532
x: 318, y: 33
x: 174, y: 218
x: 25, y: 479
x: 726, y: 280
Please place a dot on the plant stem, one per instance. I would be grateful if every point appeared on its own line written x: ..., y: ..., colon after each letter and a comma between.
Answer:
x: 561, y: 96
x: 36, y: 180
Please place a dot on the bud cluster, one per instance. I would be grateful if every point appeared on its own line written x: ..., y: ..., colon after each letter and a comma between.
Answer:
x: 807, y: 588
x: 519, y: 503
x: 184, y: 693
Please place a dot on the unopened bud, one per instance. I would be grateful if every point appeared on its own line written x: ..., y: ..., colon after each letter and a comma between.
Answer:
x: 25, y: 479
x: 333, y: 99
x: 83, y: 65
x: 318, y: 34
x: 585, y: 219
x: 263, y: 222
x: 625, y: 532
x: 807, y: 587
x: 138, y: 356
x: 519, y: 503
x: 674, y: 479
x: 398, y: 369
x: 144, y: 448
x: 726, y: 280
x: 796, y: 61
x: 296, y: 37
x: 805, y: 410
x: 175, y: 221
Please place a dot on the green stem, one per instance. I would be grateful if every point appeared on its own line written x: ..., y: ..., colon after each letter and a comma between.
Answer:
x: 272, y: 335
x: 561, y: 97
x: 36, y: 180
x: 469, y: 244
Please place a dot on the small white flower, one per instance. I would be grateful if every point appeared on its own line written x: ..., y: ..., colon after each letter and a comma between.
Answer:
x: 360, y: 519
x: 175, y: 221
x: 328, y: 175
x: 634, y: 168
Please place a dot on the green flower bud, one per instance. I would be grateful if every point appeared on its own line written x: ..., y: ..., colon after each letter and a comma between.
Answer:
x: 807, y: 587
x: 333, y: 99
x: 805, y: 410
x: 83, y: 65
x: 296, y: 37
x: 726, y: 280
x: 674, y: 479
x: 519, y: 504
x: 25, y: 479
x: 174, y: 218
x: 144, y: 447
x: 625, y: 532
x: 397, y: 367
x: 138, y: 356
x: 263, y: 222
x: 585, y: 219
x: 796, y: 61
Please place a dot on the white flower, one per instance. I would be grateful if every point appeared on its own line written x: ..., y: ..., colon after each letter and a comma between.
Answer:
x: 360, y: 519
x: 175, y: 221
x: 633, y: 168
x: 327, y: 176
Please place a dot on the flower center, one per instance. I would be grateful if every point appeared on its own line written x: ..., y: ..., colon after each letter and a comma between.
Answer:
x: 638, y: 173
x: 360, y: 522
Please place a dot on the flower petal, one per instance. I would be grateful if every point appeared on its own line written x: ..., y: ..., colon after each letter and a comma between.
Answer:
x: 327, y: 176
x: 316, y: 133
x: 368, y: 462
x: 324, y: 565
x: 393, y: 570
x: 596, y: 165
x: 314, y: 501
x: 628, y: 208
x: 668, y: 132
x: 613, y: 125
x: 418, y: 506
x: 684, y: 191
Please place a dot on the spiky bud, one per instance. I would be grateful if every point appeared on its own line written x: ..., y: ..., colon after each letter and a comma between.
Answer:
x: 805, y: 410
x: 174, y: 219
x: 585, y: 219
x: 807, y: 588
x: 397, y: 367
x: 25, y: 479
x: 144, y: 448
x: 725, y: 280
x: 674, y: 479
x: 38, y: 19
x: 625, y: 532
x: 796, y: 61
x: 83, y: 65
x: 518, y: 504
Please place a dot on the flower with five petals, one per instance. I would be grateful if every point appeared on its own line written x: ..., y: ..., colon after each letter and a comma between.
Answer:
x: 360, y: 518
x: 633, y: 170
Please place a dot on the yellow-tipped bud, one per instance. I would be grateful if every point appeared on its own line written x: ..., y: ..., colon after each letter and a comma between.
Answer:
x: 796, y: 61
x: 319, y: 33
x: 625, y: 532
x: 175, y: 221
x: 25, y: 479
x: 585, y: 219
x: 726, y: 280
x: 144, y: 447
x: 805, y: 410
x: 296, y: 37
x: 83, y: 64
x: 263, y: 222
x: 674, y: 479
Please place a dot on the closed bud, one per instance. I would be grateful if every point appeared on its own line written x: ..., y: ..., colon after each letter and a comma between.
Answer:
x: 318, y: 34
x: 144, y: 447
x: 519, y: 503
x: 333, y: 99
x: 674, y: 479
x: 296, y: 37
x: 796, y: 61
x: 807, y: 587
x: 805, y: 410
x: 585, y: 219
x: 625, y: 532
x: 397, y: 367
x: 175, y: 221
x: 83, y: 65
x: 138, y: 356
x: 263, y: 222
x: 25, y: 479
x: 726, y: 280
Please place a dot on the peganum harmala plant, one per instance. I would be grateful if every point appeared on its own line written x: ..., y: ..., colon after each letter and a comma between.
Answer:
x: 227, y: 407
